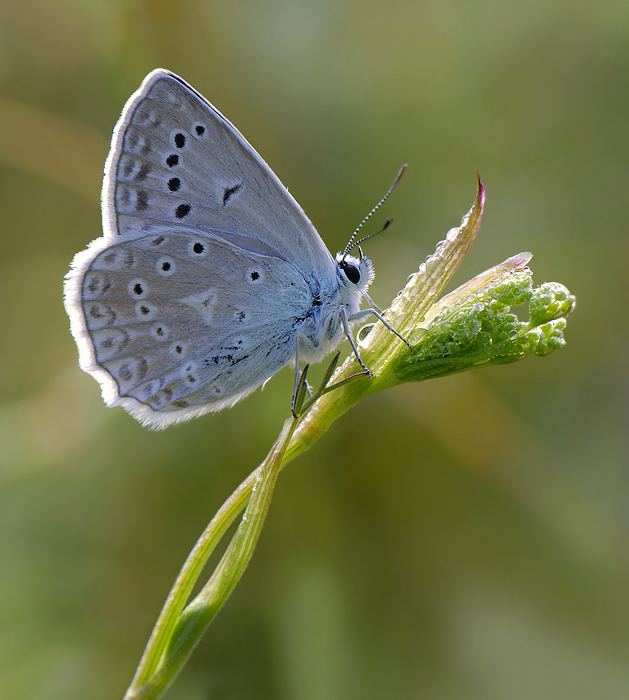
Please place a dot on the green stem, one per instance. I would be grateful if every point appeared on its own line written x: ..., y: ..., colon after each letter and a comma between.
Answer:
x: 177, y: 630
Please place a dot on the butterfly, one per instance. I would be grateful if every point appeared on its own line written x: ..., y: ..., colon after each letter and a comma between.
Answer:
x: 209, y: 278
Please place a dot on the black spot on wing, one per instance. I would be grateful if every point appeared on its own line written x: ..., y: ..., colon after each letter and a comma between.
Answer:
x: 182, y: 210
x: 229, y: 192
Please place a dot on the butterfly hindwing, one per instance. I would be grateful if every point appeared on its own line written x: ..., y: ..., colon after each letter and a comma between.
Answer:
x: 182, y: 321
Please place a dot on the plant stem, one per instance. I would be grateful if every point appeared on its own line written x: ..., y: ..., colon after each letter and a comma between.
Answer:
x: 180, y: 627
x: 178, y: 630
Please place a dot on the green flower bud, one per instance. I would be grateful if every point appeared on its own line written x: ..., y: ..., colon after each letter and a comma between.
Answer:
x: 551, y: 300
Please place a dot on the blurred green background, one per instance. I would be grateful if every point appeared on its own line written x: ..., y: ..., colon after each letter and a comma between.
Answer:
x: 462, y: 539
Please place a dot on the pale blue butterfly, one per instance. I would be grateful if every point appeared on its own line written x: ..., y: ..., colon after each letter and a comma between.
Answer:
x: 209, y: 277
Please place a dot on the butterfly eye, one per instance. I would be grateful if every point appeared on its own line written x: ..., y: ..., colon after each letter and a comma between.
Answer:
x: 352, y: 273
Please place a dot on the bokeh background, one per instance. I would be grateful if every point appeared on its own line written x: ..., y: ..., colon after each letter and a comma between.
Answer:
x: 462, y: 539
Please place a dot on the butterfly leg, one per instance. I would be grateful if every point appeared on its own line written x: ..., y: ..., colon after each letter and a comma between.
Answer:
x: 371, y: 302
x: 297, y: 381
x: 345, y: 320
x: 297, y: 374
x: 365, y: 313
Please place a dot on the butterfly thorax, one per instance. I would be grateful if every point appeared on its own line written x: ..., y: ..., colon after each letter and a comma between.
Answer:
x: 322, y: 330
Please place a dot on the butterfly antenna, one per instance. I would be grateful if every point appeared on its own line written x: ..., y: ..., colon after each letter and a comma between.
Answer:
x: 387, y: 223
x: 351, y: 243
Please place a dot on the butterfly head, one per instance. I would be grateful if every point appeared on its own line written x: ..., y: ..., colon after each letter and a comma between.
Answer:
x: 356, y: 272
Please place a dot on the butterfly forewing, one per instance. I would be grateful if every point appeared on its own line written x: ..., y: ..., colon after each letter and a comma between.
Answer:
x: 176, y: 159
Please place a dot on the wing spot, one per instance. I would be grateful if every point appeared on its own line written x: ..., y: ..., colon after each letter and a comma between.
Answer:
x: 229, y: 192
x: 145, y: 311
x: 200, y: 129
x: 137, y: 143
x: 148, y: 390
x: 147, y: 116
x: 142, y: 201
x: 172, y: 160
x: 178, y: 349
x: 189, y: 373
x: 165, y: 266
x: 180, y: 403
x: 226, y: 359
x: 97, y: 284
x: 254, y: 275
x: 101, y: 316
x: 143, y: 367
x: 180, y: 140
x: 110, y: 347
x: 137, y: 288
x: 174, y: 184
x: 158, y: 241
x: 182, y: 210
x: 143, y: 171
x: 119, y: 258
x: 198, y: 248
x: 117, y: 339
